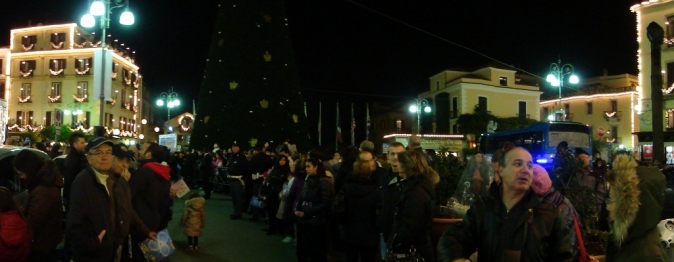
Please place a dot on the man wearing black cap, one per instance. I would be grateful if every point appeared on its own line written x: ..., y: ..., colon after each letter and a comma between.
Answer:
x: 91, y: 220
x: 236, y: 171
x: 127, y: 218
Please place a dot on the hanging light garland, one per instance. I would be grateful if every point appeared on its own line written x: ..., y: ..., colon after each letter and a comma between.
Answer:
x: 16, y: 127
x: 54, y: 99
x: 59, y: 46
x: 114, y: 75
x: 82, y: 72
x: 79, y: 99
x: 28, y: 48
x: 611, y: 114
x: 80, y: 128
x: 26, y: 74
x: 668, y: 90
x: 57, y: 72
x: 24, y: 100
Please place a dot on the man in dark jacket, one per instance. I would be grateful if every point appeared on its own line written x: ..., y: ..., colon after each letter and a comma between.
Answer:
x: 91, y: 219
x: 361, y: 201
x: 391, y: 188
x: 258, y: 165
x: 511, y: 224
x: 236, y: 171
x: 74, y: 164
x: 150, y: 190
x: 127, y: 217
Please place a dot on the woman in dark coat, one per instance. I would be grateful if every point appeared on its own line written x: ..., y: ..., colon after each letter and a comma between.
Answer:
x: 634, y: 205
x: 361, y: 201
x: 312, y: 211
x: 414, y: 216
x: 43, y: 209
x: 277, y: 176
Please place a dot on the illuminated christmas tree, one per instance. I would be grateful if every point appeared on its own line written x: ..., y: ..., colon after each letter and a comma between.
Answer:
x: 251, y: 91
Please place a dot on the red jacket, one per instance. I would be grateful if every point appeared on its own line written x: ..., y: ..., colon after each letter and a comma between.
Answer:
x: 14, y: 237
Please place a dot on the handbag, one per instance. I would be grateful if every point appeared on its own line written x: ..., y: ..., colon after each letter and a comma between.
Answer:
x: 255, y: 202
x: 582, y: 253
x: 410, y: 255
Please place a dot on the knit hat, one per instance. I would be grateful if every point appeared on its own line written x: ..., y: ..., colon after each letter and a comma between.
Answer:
x: 541, y: 183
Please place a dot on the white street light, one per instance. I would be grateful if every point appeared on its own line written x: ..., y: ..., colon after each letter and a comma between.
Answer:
x: 171, y: 100
x: 127, y: 18
x: 413, y: 108
x: 556, y: 78
x: 97, y: 8
x: 88, y: 21
x: 103, y: 8
x: 416, y: 108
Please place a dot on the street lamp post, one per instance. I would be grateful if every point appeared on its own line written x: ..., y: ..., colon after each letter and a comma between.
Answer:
x: 416, y: 108
x: 556, y: 78
x: 171, y: 100
x: 103, y: 8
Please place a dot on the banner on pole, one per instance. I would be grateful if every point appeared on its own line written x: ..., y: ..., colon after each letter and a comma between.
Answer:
x: 103, y: 59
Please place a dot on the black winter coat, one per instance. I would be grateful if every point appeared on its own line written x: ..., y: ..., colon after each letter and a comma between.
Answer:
x: 315, y: 200
x: 90, y: 214
x: 150, y: 192
x: 361, y: 201
x: 74, y: 164
x: 414, y: 217
x: 531, y: 231
x: 237, y: 164
x: 390, y: 189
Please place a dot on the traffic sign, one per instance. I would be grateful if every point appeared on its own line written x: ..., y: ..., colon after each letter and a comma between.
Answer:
x: 58, y: 117
x: 600, y: 131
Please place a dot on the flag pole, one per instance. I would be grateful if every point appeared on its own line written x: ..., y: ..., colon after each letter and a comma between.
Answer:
x: 320, y: 116
x: 367, y: 121
x: 353, y: 127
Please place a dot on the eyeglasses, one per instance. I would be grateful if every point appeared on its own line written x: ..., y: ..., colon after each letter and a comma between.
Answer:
x: 98, y: 153
x: 608, y: 201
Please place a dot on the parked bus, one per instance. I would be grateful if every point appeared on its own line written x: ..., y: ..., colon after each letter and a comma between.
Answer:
x: 541, y: 139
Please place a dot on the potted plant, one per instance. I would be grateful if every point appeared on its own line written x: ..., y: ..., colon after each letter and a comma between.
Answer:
x: 450, y: 170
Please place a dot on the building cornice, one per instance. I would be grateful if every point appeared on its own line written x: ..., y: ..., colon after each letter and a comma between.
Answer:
x: 571, y: 98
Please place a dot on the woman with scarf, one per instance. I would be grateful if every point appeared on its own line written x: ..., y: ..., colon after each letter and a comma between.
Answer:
x: 275, y: 180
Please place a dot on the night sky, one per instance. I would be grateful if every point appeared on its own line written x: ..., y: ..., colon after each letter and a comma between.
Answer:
x: 343, y: 47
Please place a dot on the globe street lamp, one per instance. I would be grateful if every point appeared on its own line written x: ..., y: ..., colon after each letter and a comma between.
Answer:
x: 171, y: 100
x: 416, y: 108
x: 556, y: 78
x: 73, y: 110
x: 103, y: 8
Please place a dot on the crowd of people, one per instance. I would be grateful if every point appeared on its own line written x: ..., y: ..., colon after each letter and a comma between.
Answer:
x: 370, y: 207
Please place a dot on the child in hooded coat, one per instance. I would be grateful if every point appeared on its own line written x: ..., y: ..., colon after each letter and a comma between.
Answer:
x: 14, y: 234
x: 193, y: 220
